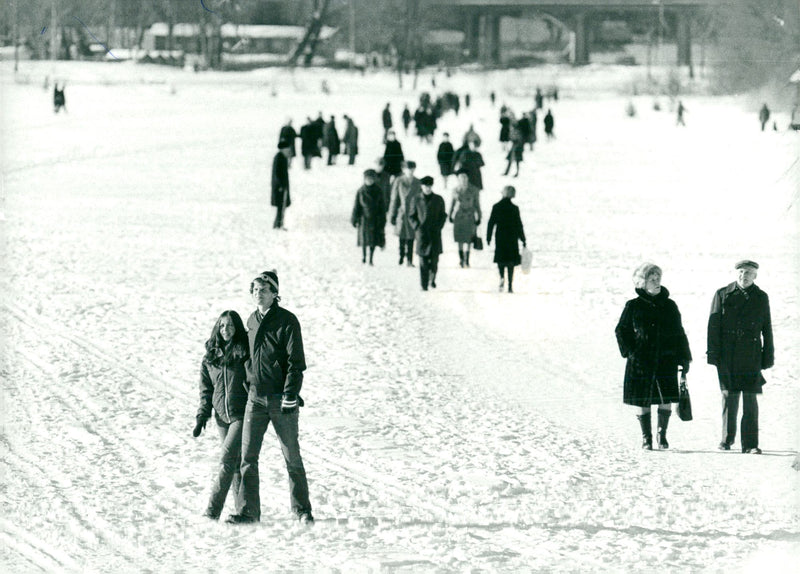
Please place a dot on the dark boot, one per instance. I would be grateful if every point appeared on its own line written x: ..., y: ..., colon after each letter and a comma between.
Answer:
x: 466, y: 258
x: 461, y: 258
x: 647, y: 431
x: 663, y: 422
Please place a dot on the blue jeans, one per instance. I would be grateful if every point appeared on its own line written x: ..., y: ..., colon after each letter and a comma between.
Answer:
x: 228, y: 475
x: 257, y: 417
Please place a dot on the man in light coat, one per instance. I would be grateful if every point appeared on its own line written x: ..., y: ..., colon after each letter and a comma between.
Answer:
x: 404, y: 190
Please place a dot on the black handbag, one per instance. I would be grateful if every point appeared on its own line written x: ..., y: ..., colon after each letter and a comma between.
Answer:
x: 684, y: 401
x: 477, y: 243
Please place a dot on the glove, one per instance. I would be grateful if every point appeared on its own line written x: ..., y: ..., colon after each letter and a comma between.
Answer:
x: 198, y: 428
x: 524, y: 245
x: 452, y: 220
x: 289, y: 403
x: 394, y: 221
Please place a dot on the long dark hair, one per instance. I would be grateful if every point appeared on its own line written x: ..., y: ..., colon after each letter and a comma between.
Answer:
x: 217, y: 352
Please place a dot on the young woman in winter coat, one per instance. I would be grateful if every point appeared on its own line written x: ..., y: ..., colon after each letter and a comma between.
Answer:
x: 223, y: 388
x: 505, y: 216
x: 369, y: 216
x: 651, y: 337
x: 465, y: 215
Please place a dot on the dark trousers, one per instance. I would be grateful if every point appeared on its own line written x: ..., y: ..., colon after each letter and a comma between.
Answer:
x: 352, y: 159
x: 428, y: 266
x: 256, y: 420
x: 307, y: 161
x: 730, y: 412
x: 407, y: 250
x: 278, y: 217
x: 228, y: 476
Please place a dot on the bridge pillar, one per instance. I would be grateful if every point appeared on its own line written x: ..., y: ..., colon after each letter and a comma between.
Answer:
x: 581, y: 39
x: 472, y: 36
x: 489, y: 39
x: 684, y: 37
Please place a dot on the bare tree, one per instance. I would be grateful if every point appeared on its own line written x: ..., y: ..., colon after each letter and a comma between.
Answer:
x: 308, y: 44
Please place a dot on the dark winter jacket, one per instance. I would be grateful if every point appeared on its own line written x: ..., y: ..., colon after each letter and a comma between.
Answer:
x: 472, y: 161
x: 505, y: 216
x: 386, y: 117
x: 351, y: 139
x: 444, y: 156
x: 280, y: 180
x: 309, y: 146
x: 223, y: 385
x: 505, y: 127
x: 393, y: 157
x: 288, y: 134
x: 277, y: 360
x: 651, y: 336
x: 549, y: 123
x: 427, y: 216
x: 740, y: 337
x: 331, y: 138
x: 369, y: 216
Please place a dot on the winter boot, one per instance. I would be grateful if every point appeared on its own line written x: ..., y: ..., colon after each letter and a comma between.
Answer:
x: 663, y: 422
x: 647, y: 431
x: 461, y: 258
x: 466, y: 258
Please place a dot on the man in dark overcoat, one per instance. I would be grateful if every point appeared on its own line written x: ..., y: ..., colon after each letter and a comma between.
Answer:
x: 427, y: 215
x: 332, y: 141
x: 308, y: 143
x: 740, y: 346
x: 280, y: 182
x: 289, y: 134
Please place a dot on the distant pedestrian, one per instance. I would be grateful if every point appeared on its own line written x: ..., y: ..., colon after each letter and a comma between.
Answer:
x: 505, y: 130
x: 444, y: 157
x: 515, y: 153
x: 492, y: 97
x: 505, y: 218
x: 406, y: 119
x: 740, y: 345
x: 223, y: 389
x: 538, y: 99
x: 59, y: 98
x: 472, y: 136
x: 289, y: 135
x: 384, y: 181
x: 427, y: 217
x: 650, y: 336
x: 763, y: 116
x: 350, y: 140
x: 280, y: 183
x: 319, y: 132
x: 681, y: 111
x: 524, y: 127
x: 534, y: 127
x: 467, y: 100
x: 386, y: 118
x: 369, y: 216
x: 308, y: 143
x: 470, y: 160
x: 393, y: 155
x: 332, y: 141
x: 404, y: 190
x: 465, y: 215
x: 549, y: 124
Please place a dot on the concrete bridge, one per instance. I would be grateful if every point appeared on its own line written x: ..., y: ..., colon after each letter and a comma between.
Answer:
x: 482, y: 20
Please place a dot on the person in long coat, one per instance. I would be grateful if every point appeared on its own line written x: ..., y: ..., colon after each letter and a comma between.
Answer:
x: 351, y: 140
x: 386, y: 118
x: 740, y: 345
x: 549, y: 124
x: 404, y: 190
x: 393, y: 155
x: 505, y: 217
x: 308, y: 143
x: 505, y: 128
x: 650, y: 336
x: 406, y: 118
x: 465, y: 215
x: 369, y: 216
x: 515, y: 153
x: 444, y: 157
x: 427, y: 216
x: 332, y: 141
x: 280, y: 198
x: 524, y: 127
x: 289, y: 134
x: 471, y: 160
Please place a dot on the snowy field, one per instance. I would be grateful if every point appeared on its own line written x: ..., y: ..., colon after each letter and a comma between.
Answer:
x: 454, y: 430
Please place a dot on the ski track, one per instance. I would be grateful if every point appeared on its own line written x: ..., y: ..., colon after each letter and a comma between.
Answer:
x: 445, y: 474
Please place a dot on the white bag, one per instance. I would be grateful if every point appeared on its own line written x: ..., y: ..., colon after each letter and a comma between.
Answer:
x: 527, y: 260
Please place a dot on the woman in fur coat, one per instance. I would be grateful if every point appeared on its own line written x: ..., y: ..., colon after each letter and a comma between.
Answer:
x: 369, y: 216
x: 651, y: 337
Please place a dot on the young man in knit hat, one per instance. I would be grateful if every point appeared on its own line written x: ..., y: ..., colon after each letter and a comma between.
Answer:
x: 275, y: 376
x: 740, y: 346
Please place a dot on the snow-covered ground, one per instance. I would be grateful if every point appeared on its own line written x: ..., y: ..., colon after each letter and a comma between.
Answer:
x: 456, y: 430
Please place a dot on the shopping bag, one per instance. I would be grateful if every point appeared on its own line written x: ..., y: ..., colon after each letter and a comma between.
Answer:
x: 527, y: 260
x: 477, y: 243
x: 684, y: 401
